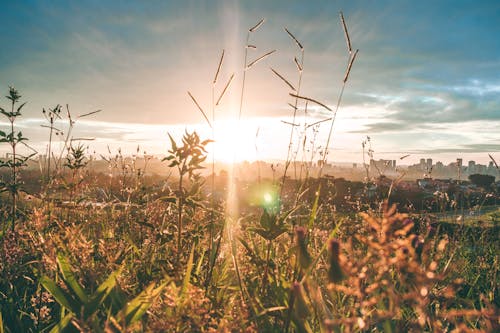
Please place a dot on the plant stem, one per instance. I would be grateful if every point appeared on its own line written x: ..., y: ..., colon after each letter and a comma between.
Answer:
x: 179, y: 216
x: 14, y: 169
x: 266, y: 270
x: 287, y: 161
x: 49, y: 152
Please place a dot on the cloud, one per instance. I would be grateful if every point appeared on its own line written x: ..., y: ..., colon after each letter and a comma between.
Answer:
x: 417, y: 76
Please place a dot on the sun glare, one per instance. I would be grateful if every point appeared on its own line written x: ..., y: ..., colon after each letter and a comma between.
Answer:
x: 234, y: 141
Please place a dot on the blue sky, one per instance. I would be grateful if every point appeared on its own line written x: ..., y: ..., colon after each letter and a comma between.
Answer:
x: 426, y: 81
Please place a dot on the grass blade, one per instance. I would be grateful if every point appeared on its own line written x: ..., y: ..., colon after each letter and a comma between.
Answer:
x: 299, y: 65
x: 260, y: 58
x: 187, y: 277
x: 493, y: 160
x: 257, y: 26
x: 289, y: 123
x: 351, y: 61
x: 295, y: 39
x: 1, y: 323
x: 59, y: 295
x: 284, y: 80
x: 346, y: 34
x: 89, y: 114
x: 311, y: 100
x: 199, y: 108
x: 61, y: 325
x: 70, y: 279
x: 318, y: 122
x: 225, y: 88
x: 219, y: 67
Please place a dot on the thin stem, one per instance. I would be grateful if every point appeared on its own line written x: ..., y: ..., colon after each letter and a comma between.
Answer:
x: 244, y: 78
x: 287, y: 161
x: 325, y: 151
x: 266, y: 270
x: 212, y: 199
x: 14, y: 169
x: 49, y: 152
x: 179, y: 212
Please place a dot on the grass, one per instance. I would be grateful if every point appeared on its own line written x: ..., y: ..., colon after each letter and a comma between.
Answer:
x: 127, y: 252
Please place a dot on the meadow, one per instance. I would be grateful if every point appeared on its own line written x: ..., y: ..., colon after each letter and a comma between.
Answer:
x: 123, y: 251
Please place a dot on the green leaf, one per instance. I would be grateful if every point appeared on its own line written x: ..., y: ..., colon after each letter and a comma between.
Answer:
x: 101, y: 293
x: 187, y: 277
x: 314, y: 210
x: 265, y: 220
x: 63, y: 298
x: 62, y: 325
x: 1, y: 323
x: 136, y: 308
x: 70, y: 280
x: 20, y: 107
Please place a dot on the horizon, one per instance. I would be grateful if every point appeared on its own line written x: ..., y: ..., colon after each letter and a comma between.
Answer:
x: 424, y: 82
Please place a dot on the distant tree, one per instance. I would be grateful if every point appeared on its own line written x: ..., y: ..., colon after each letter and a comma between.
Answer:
x: 483, y: 181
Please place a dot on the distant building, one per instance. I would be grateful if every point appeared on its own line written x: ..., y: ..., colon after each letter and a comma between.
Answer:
x: 382, y: 165
x: 471, y: 167
x: 428, y: 164
x: 422, y: 164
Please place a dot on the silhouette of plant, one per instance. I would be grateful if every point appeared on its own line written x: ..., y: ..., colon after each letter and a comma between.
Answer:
x: 187, y: 159
x: 14, y: 160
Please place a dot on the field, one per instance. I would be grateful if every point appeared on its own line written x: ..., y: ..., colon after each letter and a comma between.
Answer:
x: 126, y: 251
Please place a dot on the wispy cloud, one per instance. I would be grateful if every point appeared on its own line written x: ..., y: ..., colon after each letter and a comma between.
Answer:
x: 426, y: 80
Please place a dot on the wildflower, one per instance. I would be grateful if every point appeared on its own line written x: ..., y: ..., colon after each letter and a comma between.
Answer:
x: 335, y: 273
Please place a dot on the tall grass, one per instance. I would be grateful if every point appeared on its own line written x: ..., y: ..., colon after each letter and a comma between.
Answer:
x: 127, y: 252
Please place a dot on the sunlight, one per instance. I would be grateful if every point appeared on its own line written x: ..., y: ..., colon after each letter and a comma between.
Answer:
x: 234, y: 142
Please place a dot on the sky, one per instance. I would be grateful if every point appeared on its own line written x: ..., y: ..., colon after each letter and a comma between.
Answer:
x: 425, y: 81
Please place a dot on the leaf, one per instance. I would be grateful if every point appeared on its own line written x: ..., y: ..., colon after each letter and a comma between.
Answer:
x: 136, y: 308
x: 314, y: 209
x: 89, y: 114
x: 224, y: 90
x: 259, y: 59
x: 69, y: 278
x: 172, y: 142
x: 1, y: 323
x: 20, y: 107
x: 63, y: 298
x: 205, y: 142
x: 257, y: 26
x: 171, y: 199
x: 286, y: 214
x: 62, y: 324
x: 283, y: 79
x: 187, y: 277
x: 102, y: 293
x: 265, y: 220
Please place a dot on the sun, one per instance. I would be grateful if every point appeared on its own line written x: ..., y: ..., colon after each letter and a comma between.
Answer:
x: 234, y: 141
